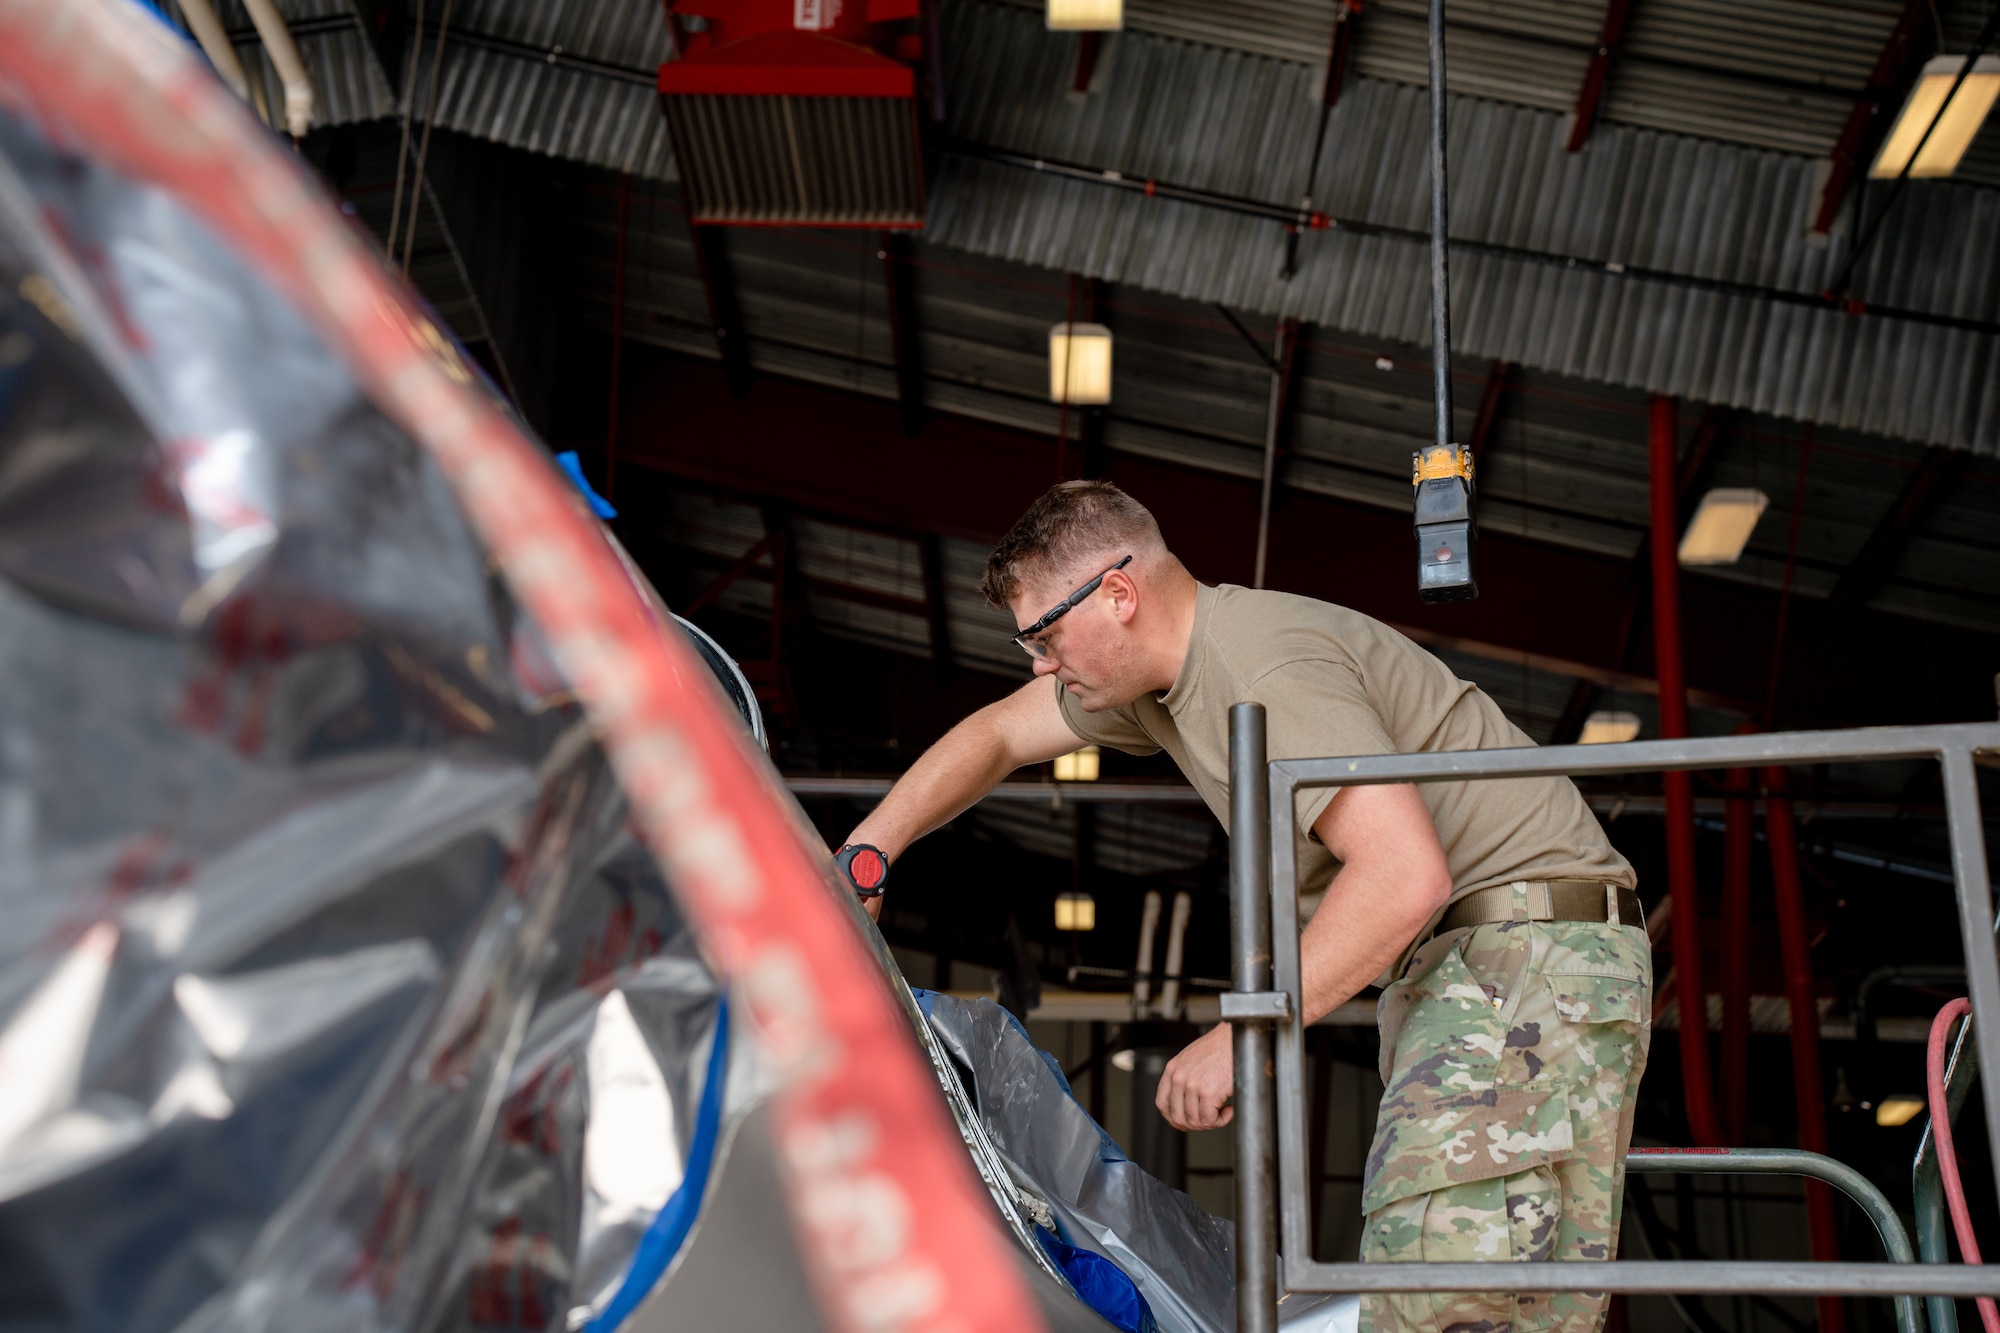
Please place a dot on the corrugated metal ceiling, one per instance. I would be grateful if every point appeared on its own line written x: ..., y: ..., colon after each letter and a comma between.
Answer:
x: 1567, y: 464
x: 1694, y: 208
x: 1767, y: 73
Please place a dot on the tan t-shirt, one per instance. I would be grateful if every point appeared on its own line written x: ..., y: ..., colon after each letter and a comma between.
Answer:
x: 1335, y: 683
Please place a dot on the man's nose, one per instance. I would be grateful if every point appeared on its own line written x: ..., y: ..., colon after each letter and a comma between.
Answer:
x: 1046, y: 666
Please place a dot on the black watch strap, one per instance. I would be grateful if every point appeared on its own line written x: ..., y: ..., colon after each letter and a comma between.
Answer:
x: 865, y: 867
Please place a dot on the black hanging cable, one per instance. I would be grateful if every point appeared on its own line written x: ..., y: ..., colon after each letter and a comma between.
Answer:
x: 403, y: 147
x: 1839, y: 286
x: 1440, y: 225
x: 1441, y: 474
x: 430, y: 118
x: 1341, y: 14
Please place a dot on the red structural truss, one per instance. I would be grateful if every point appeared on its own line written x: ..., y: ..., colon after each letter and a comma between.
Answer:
x: 1802, y: 998
x: 1897, y: 55
x: 1686, y: 923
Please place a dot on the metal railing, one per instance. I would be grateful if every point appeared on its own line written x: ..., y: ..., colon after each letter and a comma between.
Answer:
x: 1794, y: 1162
x: 1265, y: 1004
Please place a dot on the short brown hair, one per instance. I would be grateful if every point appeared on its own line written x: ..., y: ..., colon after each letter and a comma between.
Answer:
x: 1072, y: 521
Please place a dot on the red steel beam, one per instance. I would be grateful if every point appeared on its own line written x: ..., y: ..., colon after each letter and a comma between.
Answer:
x: 617, y: 332
x: 844, y: 455
x: 1700, y: 1093
x: 1890, y: 66
x: 1928, y: 484
x: 1738, y: 841
x: 1584, y: 117
x: 1796, y: 949
x: 1345, y: 16
x: 1490, y: 400
x: 1086, y: 63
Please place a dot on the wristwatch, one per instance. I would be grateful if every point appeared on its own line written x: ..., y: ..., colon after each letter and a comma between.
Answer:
x: 865, y: 867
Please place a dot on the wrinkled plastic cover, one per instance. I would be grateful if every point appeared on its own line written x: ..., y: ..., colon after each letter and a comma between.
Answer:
x: 334, y: 990
x: 1181, y: 1258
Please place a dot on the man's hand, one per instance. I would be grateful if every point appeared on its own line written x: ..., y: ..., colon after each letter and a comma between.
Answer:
x: 1197, y: 1084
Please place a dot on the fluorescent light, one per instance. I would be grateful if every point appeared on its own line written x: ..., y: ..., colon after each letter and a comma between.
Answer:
x: 1086, y: 15
x: 1080, y: 364
x: 1076, y: 911
x: 1721, y: 527
x: 1077, y: 765
x: 1955, y: 130
x: 1896, y: 1111
x: 1609, y: 728
x: 1124, y: 1061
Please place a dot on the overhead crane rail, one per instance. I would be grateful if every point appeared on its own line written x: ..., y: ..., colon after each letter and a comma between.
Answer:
x: 1273, y: 1217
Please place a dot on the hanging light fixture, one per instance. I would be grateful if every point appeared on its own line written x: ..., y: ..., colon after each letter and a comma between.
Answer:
x: 1077, y: 766
x: 1609, y: 728
x: 1898, y: 1110
x: 1086, y: 15
x: 1956, y: 127
x: 1076, y: 911
x: 1080, y: 364
x: 1722, y: 525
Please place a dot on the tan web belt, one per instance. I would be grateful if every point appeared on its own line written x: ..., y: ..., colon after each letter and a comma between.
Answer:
x: 1548, y: 900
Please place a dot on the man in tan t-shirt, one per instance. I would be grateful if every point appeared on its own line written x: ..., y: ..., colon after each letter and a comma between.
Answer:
x: 1499, y: 915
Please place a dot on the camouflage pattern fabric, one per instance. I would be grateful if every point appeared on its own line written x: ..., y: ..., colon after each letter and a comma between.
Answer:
x: 1511, y: 1056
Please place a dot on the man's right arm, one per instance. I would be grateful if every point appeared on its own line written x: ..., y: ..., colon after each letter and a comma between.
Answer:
x: 1026, y: 727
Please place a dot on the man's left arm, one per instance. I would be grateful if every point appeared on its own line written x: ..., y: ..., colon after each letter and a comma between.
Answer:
x: 1393, y: 878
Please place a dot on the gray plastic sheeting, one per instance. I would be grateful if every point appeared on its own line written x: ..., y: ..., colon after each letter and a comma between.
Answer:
x: 334, y: 992
x: 1181, y: 1258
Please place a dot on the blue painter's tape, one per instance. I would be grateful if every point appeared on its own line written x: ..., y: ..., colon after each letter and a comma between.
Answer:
x: 573, y: 467
x: 670, y: 1227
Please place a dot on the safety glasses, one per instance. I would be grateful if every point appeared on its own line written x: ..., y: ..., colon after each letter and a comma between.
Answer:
x: 1030, y: 639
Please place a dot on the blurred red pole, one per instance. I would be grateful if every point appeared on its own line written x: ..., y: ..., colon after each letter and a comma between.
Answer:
x: 617, y: 333
x: 1799, y: 994
x: 1738, y: 840
x: 1686, y: 925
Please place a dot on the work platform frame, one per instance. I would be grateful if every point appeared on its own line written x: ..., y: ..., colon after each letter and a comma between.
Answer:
x: 1273, y: 1199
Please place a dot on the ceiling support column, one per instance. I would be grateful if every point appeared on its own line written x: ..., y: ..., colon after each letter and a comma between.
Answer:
x: 1796, y: 950
x: 1686, y: 924
x: 1584, y: 117
x: 1738, y: 841
x: 899, y: 276
x: 725, y: 316
x: 1920, y: 494
x: 1274, y: 420
x: 1890, y: 66
x: 1491, y: 399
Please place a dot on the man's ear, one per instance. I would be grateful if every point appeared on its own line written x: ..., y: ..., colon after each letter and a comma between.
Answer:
x: 1124, y: 595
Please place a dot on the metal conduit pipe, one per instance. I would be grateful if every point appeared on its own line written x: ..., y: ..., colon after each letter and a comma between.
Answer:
x: 1252, y: 1016
x: 1793, y: 1162
x: 1170, y: 989
x: 1142, y: 984
x: 215, y: 44
x: 1271, y: 423
x: 1949, y: 974
x: 291, y: 67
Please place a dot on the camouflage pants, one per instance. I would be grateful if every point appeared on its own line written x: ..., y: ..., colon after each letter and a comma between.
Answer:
x: 1511, y: 1056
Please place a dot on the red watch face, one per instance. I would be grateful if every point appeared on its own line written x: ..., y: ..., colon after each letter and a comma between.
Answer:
x: 867, y: 868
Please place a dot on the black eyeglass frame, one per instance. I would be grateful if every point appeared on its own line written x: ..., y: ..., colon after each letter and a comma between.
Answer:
x: 1061, y: 609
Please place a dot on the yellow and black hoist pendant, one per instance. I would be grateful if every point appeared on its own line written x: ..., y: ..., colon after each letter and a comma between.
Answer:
x: 1442, y: 476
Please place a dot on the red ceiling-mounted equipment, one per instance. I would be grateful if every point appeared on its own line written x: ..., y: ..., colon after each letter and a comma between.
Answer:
x: 797, y: 113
